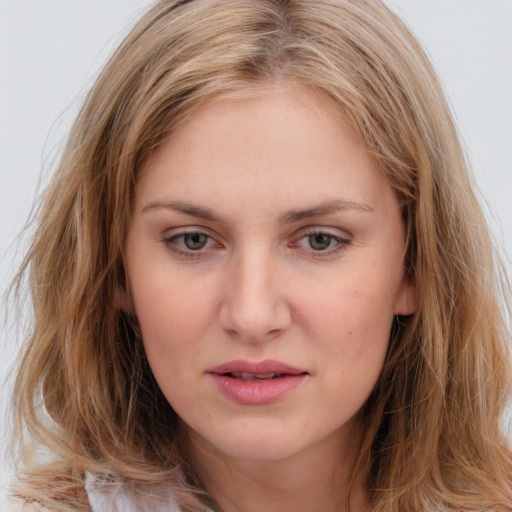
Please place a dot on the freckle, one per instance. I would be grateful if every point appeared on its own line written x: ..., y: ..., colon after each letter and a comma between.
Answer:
x: 350, y: 333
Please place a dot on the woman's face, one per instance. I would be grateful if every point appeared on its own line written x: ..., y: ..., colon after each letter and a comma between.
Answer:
x: 265, y: 262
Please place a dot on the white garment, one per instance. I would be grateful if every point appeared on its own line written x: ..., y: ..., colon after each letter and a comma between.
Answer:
x: 115, y: 497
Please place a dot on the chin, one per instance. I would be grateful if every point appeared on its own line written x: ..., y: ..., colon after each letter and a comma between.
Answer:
x: 257, y: 443
x: 262, y: 450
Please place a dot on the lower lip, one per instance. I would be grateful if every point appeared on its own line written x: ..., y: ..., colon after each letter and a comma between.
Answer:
x: 257, y: 392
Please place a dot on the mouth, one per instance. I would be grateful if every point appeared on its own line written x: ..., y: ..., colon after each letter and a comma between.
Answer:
x: 248, y: 377
x: 251, y: 370
x: 256, y: 383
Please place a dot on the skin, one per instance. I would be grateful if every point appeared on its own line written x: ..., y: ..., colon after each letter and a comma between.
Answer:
x: 259, y: 288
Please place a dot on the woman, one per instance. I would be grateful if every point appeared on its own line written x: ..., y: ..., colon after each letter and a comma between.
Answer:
x: 261, y: 279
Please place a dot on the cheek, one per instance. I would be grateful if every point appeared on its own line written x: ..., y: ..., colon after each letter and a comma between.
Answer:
x: 173, y: 315
x: 353, y: 330
x: 173, y: 326
x: 356, y: 309
x: 351, y: 326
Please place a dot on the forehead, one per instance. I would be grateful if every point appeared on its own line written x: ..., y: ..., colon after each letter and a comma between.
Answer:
x: 288, y: 141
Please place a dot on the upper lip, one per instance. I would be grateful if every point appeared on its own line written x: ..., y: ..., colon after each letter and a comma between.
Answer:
x: 256, y: 367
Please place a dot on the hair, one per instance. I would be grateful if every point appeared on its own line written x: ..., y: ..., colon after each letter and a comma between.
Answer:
x: 432, y: 433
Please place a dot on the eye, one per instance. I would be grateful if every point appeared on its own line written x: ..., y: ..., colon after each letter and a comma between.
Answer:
x: 190, y: 242
x: 195, y: 241
x: 321, y: 241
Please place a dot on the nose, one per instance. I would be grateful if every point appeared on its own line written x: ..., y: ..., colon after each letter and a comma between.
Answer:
x: 254, y: 306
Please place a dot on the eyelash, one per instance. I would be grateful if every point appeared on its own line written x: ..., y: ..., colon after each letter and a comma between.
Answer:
x: 341, y: 243
x: 170, y: 243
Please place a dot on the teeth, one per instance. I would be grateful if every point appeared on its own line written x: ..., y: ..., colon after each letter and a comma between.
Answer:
x: 255, y: 376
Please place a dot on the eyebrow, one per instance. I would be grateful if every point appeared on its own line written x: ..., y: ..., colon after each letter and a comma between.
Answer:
x: 187, y: 208
x: 288, y: 217
x: 330, y: 207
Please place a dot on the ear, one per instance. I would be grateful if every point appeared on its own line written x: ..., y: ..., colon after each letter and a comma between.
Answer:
x: 406, y: 299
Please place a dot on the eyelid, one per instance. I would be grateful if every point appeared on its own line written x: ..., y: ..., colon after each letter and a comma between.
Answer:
x: 187, y: 230
x: 334, y: 232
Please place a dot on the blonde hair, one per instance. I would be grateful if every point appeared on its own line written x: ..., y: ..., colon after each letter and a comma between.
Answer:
x: 84, y: 390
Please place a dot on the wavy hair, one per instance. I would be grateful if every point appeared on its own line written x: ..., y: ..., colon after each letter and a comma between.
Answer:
x: 84, y: 391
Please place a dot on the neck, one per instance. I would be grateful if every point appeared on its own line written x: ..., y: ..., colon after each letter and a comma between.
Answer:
x: 316, y: 479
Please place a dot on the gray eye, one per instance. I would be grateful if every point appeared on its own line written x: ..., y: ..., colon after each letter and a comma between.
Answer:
x: 319, y: 241
x: 195, y: 241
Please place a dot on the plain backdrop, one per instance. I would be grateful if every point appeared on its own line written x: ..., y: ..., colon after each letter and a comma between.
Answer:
x: 51, y: 52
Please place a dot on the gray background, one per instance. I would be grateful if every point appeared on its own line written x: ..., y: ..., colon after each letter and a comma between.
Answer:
x: 51, y: 51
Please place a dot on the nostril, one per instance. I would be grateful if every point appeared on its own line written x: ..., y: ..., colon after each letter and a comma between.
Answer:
x: 253, y: 308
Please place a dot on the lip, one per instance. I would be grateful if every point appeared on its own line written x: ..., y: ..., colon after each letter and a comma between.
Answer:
x: 266, y: 366
x: 256, y: 392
